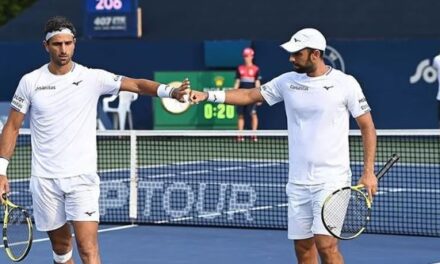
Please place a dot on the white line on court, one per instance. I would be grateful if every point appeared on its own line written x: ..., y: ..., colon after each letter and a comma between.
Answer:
x: 229, y: 168
x: 194, y: 172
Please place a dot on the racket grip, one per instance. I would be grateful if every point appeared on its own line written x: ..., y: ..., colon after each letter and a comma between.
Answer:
x: 391, y: 161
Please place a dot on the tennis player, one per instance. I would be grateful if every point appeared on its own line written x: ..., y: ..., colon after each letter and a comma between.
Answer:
x: 61, y: 98
x: 318, y: 101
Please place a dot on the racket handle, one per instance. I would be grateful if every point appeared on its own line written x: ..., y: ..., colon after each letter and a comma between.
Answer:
x: 394, y: 158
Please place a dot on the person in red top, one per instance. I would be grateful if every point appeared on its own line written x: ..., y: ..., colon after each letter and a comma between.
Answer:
x: 247, y: 76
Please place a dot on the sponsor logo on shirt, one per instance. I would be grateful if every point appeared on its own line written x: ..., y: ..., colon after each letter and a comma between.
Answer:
x: 364, y: 104
x: 19, y: 99
x: 328, y: 87
x: 299, y: 87
x: 77, y: 83
x: 363, y: 100
x: 46, y: 87
x: 365, y: 107
x: 116, y: 78
x: 17, y: 102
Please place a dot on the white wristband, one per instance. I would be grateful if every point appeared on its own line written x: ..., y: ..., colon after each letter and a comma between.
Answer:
x: 216, y: 96
x: 165, y: 91
x: 3, y: 165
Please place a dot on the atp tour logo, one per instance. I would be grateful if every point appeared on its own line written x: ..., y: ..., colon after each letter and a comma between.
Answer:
x: 159, y: 200
x: 334, y: 58
x: 424, y: 71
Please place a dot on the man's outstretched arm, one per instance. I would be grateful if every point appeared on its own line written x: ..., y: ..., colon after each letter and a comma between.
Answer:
x: 152, y: 88
x: 233, y: 97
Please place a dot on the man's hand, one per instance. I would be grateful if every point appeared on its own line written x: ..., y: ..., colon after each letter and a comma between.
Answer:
x: 4, y: 186
x: 369, y: 180
x: 181, y: 93
x: 195, y: 96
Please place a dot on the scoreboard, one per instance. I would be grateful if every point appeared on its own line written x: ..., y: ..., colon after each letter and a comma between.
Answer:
x: 171, y: 114
x: 111, y: 18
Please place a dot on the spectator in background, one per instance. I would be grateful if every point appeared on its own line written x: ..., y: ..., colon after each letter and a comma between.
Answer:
x: 437, y: 67
x: 247, y: 76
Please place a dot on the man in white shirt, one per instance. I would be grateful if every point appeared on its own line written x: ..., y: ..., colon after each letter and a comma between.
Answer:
x: 436, y: 65
x: 62, y: 98
x: 318, y: 101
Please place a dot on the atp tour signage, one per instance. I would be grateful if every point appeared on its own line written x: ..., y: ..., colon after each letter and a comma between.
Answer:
x: 111, y: 18
x: 161, y: 201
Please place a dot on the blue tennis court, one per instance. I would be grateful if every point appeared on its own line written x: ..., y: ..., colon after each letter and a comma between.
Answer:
x: 181, y: 245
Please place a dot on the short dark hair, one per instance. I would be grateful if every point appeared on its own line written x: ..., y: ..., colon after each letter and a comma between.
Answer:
x: 321, y: 52
x: 57, y: 23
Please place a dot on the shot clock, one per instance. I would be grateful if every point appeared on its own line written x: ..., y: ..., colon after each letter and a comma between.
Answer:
x: 219, y: 111
x: 171, y: 114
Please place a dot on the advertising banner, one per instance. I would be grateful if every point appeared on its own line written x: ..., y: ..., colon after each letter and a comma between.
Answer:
x: 170, y: 114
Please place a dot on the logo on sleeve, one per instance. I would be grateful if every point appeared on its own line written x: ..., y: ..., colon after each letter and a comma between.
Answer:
x: 17, y: 102
x: 364, y: 104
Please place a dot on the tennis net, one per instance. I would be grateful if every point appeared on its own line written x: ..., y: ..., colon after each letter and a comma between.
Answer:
x: 207, y: 178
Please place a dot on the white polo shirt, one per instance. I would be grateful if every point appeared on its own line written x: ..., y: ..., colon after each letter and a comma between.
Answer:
x: 436, y: 64
x: 63, y: 110
x: 317, y: 110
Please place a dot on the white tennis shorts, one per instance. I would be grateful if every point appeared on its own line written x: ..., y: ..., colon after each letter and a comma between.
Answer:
x: 56, y: 201
x: 304, y: 208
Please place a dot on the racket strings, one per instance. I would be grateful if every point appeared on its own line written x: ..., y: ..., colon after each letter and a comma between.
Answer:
x: 17, y: 232
x: 346, y: 213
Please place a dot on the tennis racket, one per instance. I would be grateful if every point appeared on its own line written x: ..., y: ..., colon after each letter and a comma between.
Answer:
x: 347, y: 211
x: 17, y: 230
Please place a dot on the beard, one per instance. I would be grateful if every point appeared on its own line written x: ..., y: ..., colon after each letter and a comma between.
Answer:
x: 308, y: 67
x: 304, y: 68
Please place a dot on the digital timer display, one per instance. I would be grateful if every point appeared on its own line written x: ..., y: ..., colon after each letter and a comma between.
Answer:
x: 219, y: 111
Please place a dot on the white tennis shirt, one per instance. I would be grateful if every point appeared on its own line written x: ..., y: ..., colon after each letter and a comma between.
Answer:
x: 317, y: 110
x: 63, y: 110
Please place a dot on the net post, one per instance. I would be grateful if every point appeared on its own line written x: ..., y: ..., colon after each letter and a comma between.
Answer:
x: 133, y: 177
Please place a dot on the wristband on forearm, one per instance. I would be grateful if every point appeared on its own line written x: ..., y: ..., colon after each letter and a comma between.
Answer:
x: 216, y: 96
x: 165, y: 91
x: 4, y: 162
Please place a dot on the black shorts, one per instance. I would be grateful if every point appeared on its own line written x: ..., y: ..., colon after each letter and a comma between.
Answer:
x: 247, y: 109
